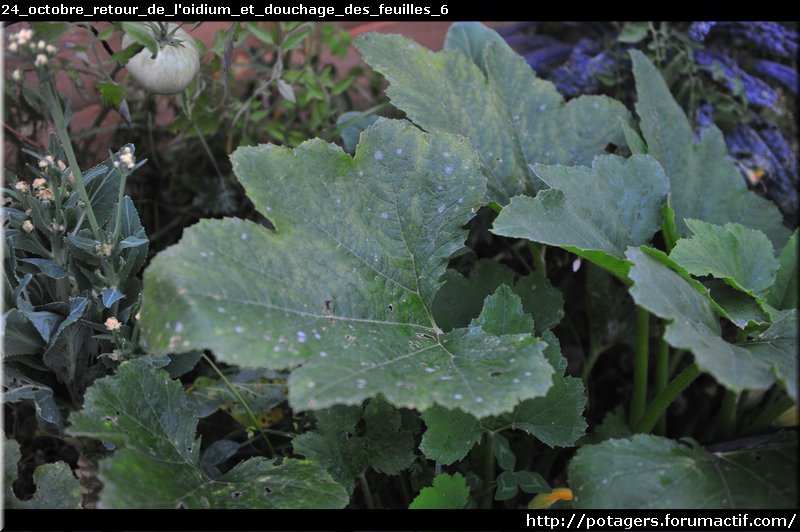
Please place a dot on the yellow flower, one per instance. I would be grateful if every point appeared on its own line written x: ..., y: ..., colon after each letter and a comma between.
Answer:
x: 546, y: 500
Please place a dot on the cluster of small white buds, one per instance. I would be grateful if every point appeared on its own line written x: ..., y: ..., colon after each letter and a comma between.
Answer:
x: 22, y: 186
x: 16, y: 75
x: 113, y: 324
x: 126, y: 158
x: 27, y: 226
x: 21, y: 38
x: 47, y: 162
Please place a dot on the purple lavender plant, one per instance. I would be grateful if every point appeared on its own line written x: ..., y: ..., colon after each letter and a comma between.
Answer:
x: 765, y: 154
x: 769, y: 36
x: 756, y: 90
x: 783, y: 74
x: 579, y: 74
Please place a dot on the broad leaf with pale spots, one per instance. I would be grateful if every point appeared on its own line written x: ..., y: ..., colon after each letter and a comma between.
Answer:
x: 480, y: 88
x: 344, y: 286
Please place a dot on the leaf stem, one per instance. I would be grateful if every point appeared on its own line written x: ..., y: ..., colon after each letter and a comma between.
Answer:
x: 725, y: 422
x: 488, y: 475
x: 769, y: 414
x: 661, y: 401
x: 362, y: 481
x: 241, y: 399
x: 538, y: 254
x: 639, y: 398
x: 661, y: 378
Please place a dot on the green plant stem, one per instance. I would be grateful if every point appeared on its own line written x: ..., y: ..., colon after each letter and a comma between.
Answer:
x: 362, y: 481
x: 537, y: 253
x: 241, y: 399
x: 661, y: 378
x: 770, y: 414
x: 62, y: 285
x: 726, y: 417
x: 660, y: 402
x: 488, y: 475
x: 639, y: 399
x: 675, y: 360
x: 57, y: 113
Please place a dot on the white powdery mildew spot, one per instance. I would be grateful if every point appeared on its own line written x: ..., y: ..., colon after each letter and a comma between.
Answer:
x: 448, y: 170
x: 179, y: 327
x: 399, y: 151
x: 440, y: 210
x: 457, y: 396
x: 221, y: 310
x: 378, y: 155
x: 361, y: 383
x: 238, y: 329
x: 244, y: 236
x: 323, y: 354
x: 361, y: 173
x: 301, y: 337
x: 479, y: 399
x: 311, y: 384
x: 384, y: 215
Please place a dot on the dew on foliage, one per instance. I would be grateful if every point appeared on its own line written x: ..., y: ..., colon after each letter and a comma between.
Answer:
x: 479, y: 399
x: 461, y: 200
x: 384, y: 215
x: 605, y: 481
x: 323, y: 354
x: 361, y: 173
x: 430, y: 370
x: 269, y: 209
x: 244, y: 236
x: 448, y: 170
x: 440, y: 210
x: 301, y: 336
x: 277, y: 349
x: 221, y: 310
x: 378, y: 155
x: 238, y: 329
x: 446, y: 154
x: 399, y: 151
x: 543, y: 107
x: 361, y: 383
x: 457, y: 396
x: 446, y: 378
x: 203, y: 254
x: 316, y: 334
x: 179, y: 327
x: 527, y: 373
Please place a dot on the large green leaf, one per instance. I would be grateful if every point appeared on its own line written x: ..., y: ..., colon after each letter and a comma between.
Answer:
x: 56, y: 486
x: 693, y: 324
x: 339, y: 446
x: 345, y: 284
x: 778, y: 347
x: 742, y: 257
x: 783, y: 294
x: 555, y: 419
x: 157, y: 462
x: 705, y: 184
x: 460, y: 299
x: 480, y: 88
x: 447, y: 493
x: 652, y: 472
x: 593, y: 212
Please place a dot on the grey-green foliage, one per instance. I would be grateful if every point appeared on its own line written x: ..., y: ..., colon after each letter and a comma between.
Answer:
x: 56, y: 486
x: 61, y: 283
x: 555, y: 419
x: 157, y: 463
x: 694, y: 325
x: 345, y: 283
x: 385, y: 444
x: 460, y: 299
x: 704, y: 183
x: 647, y: 471
x: 593, y: 212
x: 480, y: 88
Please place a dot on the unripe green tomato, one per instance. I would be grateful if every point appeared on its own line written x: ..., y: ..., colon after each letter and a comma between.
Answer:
x: 172, y: 69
